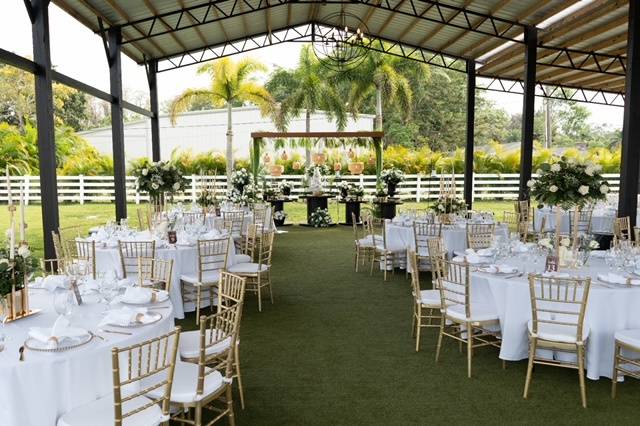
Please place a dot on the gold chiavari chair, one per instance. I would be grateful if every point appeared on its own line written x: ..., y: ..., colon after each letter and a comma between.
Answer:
x: 57, y: 245
x: 237, y: 221
x: 436, y: 251
x: 130, y: 251
x: 204, y: 380
x: 627, y: 363
x: 622, y: 228
x: 480, y: 235
x: 212, y: 260
x: 422, y: 233
x: 155, y: 273
x: 522, y: 206
x: 583, y: 224
x: 52, y: 266
x: 469, y: 322
x: 143, y: 375
x: 144, y: 218
x: 67, y: 234
x: 511, y: 219
x: 83, y: 253
x: 193, y: 218
x: 426, y: 303
x: 364, y: 244
x: 258, y: 274
x: 260, y: 215
x: 385, y: 253
x: 558, y: 306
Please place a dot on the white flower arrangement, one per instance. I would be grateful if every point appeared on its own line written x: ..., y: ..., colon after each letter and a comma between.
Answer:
x: 159, y: 178
x: 320, y: 218
x: 280, y: 215
x: 448, y: 204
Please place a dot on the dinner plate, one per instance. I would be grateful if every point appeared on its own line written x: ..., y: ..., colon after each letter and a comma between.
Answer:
x: 153, y: 317
x: 37, y: 345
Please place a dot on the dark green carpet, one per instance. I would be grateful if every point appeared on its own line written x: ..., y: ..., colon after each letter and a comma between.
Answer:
x: 336, y: 348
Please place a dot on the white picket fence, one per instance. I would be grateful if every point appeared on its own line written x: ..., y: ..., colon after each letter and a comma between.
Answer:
x: 99, y: 189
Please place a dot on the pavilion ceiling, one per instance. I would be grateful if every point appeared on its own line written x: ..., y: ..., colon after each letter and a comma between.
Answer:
x: 585, y: 48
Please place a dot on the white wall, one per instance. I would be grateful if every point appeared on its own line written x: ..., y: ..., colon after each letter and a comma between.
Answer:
x: 202, y: 131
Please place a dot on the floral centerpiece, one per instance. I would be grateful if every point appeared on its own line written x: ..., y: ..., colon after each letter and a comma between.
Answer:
x: 285, y: 188
x: 207, y: 198
x: 279, y: 217
x: 14, y: 273
x: 242, y: 191
x: 392, y: 177
x: 323, y: 169
x: 159, y: 179
x: 448, y: 204
x: 355, y: 192
x: 343, y: 188
x: 320, y: 218
x: 270, y: 192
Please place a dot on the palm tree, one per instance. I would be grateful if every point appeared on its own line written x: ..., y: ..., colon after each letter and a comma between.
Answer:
x: 232, y: 84
x: 312, y: 92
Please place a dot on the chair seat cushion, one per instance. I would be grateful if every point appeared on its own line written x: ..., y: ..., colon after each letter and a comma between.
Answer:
x: 630, y: 337
x: 479, y: 313
x: 558, y: 333
x: 242, y: 258
x: 209, y: 277
x: 247, y: 268
x: 190, y: 344
x: 430, y: 297
x: 391, y: 248
x: 370, y: 241
x: 185, y: 383
x: 101, y: 413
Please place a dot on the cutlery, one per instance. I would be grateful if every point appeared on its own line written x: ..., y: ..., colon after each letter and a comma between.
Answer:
x: 21, y: 352
x: 514, y: 275
x: 97, y: 335
x: 115, y: 332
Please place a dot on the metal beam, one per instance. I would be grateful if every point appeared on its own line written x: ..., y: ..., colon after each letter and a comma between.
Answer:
x: 528, y: 110
x: 18, y: 61
x: 44, y: 119
x: 117, y: 125
x: 152, y: 78
x: 469, y: 148
x: 630, y: 160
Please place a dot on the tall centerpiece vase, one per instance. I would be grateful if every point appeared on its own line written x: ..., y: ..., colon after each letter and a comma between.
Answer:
x: 157, y: 203
x: 15, y: 304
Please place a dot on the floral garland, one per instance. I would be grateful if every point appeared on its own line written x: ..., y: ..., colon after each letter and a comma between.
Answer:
x: 448, y: 204
x: 22, y: 266
x: 159, y: 178
x: 320, y: 218
x: 568, y: 184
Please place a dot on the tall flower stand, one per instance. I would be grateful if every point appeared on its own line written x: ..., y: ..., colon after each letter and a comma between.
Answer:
x: 387, y: 208
x: 351, y: 206
x: 314, y: 202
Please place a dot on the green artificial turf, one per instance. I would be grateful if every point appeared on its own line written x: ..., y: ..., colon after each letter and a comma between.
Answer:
x: 336, y: 349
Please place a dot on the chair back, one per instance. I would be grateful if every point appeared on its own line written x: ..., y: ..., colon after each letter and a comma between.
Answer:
x: 412, y: 259
x: 83, y: 253
x: 522, y: 206
x: 237, y: 220
x: 130, y: 251
x: 212, y: 255
x: 252, y: 240
x: 580, y: 223
x: 260, y: 214
x: 480, y: 235
x: 422, y: 233
x: 141, y: 368
x: 622, y: 228
x: 144, y: 218
x: 436, y: 252
x: 193, y: 218
x: 511, y: 219
x: 155, y: 273
x: 454, y: 284
x: 354, y: 225
x: 560, y: 302
x: 265, y: 248
x: 230, y: 289
x: 216, y: 331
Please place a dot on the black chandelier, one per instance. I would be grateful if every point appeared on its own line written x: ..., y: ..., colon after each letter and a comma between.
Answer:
x: 340, y: 44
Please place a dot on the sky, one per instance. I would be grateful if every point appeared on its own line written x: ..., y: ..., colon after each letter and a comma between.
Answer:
x: 79, y: 53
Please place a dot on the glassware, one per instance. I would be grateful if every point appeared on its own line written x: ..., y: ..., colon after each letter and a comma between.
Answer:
x: 63, y: 302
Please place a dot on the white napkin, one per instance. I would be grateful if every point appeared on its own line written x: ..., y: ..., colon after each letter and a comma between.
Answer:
x: 140, y: 295
x: 499, y: 269
x: 469, y: 258
x: 52, y: 282
x: 613, y: 278
x: 59, y: 333
x: 126, y: 316
x: 552, y: 274
x: 484, y: 252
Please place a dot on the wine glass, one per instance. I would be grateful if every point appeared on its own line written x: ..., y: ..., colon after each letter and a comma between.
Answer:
x: 63, y: 302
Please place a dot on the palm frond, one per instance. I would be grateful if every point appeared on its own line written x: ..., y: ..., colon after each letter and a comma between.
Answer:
x: 182, y: 102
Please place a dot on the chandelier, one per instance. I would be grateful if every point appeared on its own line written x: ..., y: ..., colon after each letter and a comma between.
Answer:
x: 343, y: 45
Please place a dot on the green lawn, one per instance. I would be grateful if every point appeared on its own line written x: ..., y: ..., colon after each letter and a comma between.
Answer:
x: 92, y: 214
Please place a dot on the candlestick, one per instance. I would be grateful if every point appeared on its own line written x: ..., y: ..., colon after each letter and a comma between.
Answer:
x: 23, y: 224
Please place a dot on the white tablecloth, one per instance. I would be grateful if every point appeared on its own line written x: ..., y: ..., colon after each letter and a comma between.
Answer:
x: 601, y: 221
x: 608, y: 310
x: 185, y: 261
x: 44, y: 386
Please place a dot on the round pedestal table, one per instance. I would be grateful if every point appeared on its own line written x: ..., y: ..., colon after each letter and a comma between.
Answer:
x: 36, y: 391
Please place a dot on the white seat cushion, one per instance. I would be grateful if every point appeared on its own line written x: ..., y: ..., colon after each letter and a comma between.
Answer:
x: 370, y: 241
x: 247, y: 268
x: 391, y: 248
x: 558, y: 333
x: 430, y: 297
x: 479, y: 312
x: 630, y: 337
x: 101, y: 413
x: 185, y: 383
x: 190, y: 344
x: 242, y: 258
x: 209, y: 277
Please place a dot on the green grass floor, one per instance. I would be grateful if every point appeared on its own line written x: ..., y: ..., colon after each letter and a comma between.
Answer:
x: 336, y: 349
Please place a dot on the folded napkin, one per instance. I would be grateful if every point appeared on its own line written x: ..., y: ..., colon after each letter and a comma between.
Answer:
x: 140, y: 295
x: 612, y: 278
x: 60, y: 333
x: 552, y: 274
x: 485, y: 252
x: 211, y: 235
x: 500, y: 269
x: 52, y: 282
x: 126, y: 316
x: 469, y: 258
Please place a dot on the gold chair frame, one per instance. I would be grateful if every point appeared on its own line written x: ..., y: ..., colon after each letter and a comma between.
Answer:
x: 83, y: 253
x: 622, y: 229
x: 422, y: 233
x: 155, y: 273
x: 622, y: 362
x: 360, y: 251
x: 261, y: 279
x: 130, y: 251
x: 421, y: 312
x: 480, y: 235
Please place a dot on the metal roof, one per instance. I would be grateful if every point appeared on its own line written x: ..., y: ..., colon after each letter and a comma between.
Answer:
x: 585, y: 48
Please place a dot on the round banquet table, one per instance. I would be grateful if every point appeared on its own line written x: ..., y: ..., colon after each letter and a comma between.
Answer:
x: 601, y: 220
x: 36, y: 391
x: 185, y: 261
x: 610, y: 308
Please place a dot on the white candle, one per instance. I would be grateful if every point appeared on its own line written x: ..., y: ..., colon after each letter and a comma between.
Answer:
x: 9, y: 187
x: 22, y: 221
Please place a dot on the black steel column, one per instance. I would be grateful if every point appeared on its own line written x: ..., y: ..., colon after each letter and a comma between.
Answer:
x: 630, y: 162
x: 528, y: 109
x: 468, y: 152
x: 44, y: 119
x: 152, y: 77
x: 117, y: 124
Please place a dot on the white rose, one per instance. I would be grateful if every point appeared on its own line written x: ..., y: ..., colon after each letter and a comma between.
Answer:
x: 604, y: 189
x: 597, y: 167
x: 24, y: 251
x: 589, y: 171
x: 555, y: 167
x: 571, y: 161
x: 565, y: 242
x: 176, y: 186
x: 145, y: 172
x: 593, y: 244
x: 440, y: 207
x: 553, y: 188
x: 530, y: 183
x: 155, y: 185
x: 584, y: 189
x: 539, y: 172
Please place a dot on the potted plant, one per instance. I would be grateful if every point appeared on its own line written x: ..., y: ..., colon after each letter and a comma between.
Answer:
x: 355, y: 192
x: 392, y: 177
x: 279, y: 217
x: 343, y: 188
x: 269, y: 192
x: 356, y: 168
x: 319, y: 158
x: 320, y: 218
x: 276, y: 170
x: 285, y: 188
x: 381, y: 191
